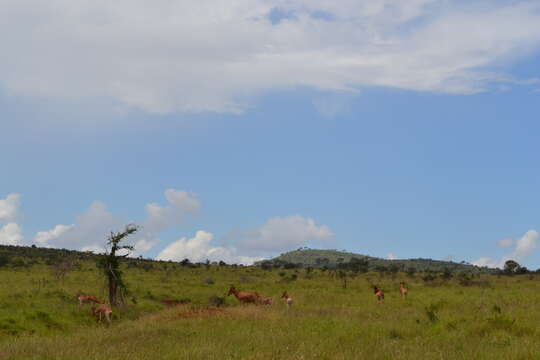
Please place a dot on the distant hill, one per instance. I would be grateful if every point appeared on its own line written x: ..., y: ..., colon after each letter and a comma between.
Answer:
x: 21, y: 255
x: 334, y: 258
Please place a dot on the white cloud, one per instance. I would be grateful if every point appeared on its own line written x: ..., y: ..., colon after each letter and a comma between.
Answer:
x: 94, y: 248
x: 9, y: 207
x: 506, y: 242
x: 143, y: 245
x: 524, y: 247
x: 43, y: 237
x: 10, y: 234
x: 200, y: 248
x: 212, y: 55
x: 486, y: 261
x: 279, y: 234
x: 180, y: 203
x: 391, y: 256
x: 91, y: 229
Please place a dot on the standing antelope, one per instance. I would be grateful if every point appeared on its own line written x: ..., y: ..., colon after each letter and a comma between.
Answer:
x: 403, y: 290
x: 102, y: 310
x: 266, y: 301
x: 87, y: 299
x: 245, y: 296
x: 378, y: 293
x: 288, y: 299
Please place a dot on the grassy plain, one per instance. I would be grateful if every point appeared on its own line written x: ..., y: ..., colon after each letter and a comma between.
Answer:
x: 491, y: 317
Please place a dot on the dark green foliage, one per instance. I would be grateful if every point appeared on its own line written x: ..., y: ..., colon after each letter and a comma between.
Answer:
x: 510, y: 267
x: 356, y: 264
x: 216, y: 301
x: 465, y: 279
x: 447, y: 274
x: 4, y: 260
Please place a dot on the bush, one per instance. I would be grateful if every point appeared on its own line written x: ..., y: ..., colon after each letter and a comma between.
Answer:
x: 4, y: 260
x: 216, y: 301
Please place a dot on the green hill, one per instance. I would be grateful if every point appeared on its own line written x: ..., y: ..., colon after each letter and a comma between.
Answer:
x: 341, y: 259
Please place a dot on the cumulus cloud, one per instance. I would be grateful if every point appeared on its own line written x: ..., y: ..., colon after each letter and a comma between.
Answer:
x: 280, y: 234
x: 212, y: 55
x: 180, y: 203
x: 11, y: 234
x: 43, y: 237
x: 90, y: 230
x: 9, y: 207
x: 524, y: 247
x: 200, y: 248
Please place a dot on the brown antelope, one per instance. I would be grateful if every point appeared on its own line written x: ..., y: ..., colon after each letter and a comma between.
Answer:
x: 245, y: 296
x: 266, y: 301
x: 403, y: 290
x: 288, y: 299
x: 378, y: 293
x: 87, y: 299
x: 102, y: 310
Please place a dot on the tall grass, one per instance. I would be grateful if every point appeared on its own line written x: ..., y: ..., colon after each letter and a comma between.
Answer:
x: 486, y: 318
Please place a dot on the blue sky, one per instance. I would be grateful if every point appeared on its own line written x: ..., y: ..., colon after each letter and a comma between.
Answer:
x: 337, y: 131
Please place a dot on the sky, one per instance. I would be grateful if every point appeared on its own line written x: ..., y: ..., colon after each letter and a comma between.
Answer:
x: 238, y: 130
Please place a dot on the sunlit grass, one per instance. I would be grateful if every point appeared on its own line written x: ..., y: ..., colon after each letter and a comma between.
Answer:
x: 495, y: 318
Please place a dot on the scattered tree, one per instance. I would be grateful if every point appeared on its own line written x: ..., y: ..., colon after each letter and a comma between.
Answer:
x: 511, y: 267
x: 110, y: 263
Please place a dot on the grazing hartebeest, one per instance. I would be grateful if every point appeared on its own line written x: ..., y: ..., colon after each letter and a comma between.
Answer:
x: 378, y: 293
x: 288, y: 299
x: 102, y: 310
x: 266, y: 301
x: 245, y: 296
x: 403, y: 290
x: 87, y: 299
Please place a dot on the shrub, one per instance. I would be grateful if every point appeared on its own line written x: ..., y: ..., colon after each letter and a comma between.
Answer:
x: 4, y: 260
x: 216, y: 301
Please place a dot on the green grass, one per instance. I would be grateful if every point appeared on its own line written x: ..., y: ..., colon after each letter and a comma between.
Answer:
x: 495, y: 318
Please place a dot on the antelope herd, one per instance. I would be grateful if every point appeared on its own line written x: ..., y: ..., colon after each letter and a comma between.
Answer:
x: 102, y: 310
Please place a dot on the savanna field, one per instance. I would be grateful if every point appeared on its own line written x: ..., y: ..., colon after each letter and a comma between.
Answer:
x: 465, y: 317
